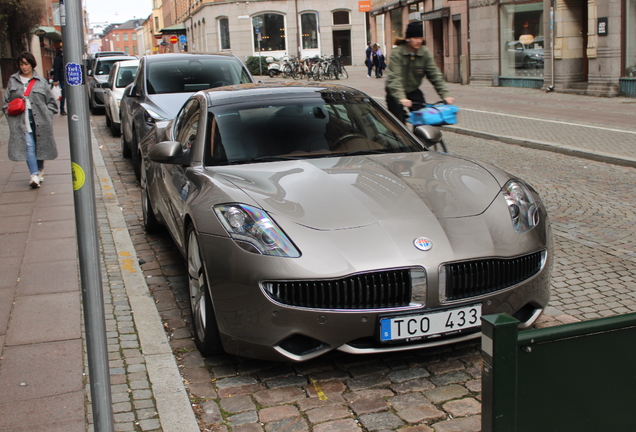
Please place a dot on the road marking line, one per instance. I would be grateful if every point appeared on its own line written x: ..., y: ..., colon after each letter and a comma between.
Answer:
x: 321, y: 394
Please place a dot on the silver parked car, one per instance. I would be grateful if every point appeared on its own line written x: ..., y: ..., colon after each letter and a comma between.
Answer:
x: 163, y: 84
x: 312, y: 220
x: 122, y: 74
x: 98, y: 76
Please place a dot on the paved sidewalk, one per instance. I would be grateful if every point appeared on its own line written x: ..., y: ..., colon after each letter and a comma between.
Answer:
x: 43, y: 375
x: 44, y: 384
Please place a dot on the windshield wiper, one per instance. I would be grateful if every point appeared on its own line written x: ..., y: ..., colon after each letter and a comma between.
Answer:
x: 361, y: 152
x: 264, y: 159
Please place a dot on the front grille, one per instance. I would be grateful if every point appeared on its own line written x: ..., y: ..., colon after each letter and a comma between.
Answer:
x: 475, y: 278
x: 378, y: 290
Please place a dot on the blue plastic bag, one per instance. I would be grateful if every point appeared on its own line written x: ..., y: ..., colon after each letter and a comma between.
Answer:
x: 436, y: 115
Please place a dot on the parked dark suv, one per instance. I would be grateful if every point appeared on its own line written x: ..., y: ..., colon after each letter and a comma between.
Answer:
x: 163, y: 83
x: 97, y: 75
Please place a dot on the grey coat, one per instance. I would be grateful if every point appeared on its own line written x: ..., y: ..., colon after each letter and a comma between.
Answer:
x: 43, y: 105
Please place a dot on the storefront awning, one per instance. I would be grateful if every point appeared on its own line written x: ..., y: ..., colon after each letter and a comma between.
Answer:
x: 436, y: 14
x: 388, y: 7
x: 49, y: 32
x: 174, y: 29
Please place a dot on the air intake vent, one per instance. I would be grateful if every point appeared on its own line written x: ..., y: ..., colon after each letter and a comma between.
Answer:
x: 378, y: 290
x: 475, y: 278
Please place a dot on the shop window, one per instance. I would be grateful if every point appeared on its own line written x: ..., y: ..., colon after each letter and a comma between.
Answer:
x: 630, y: 39
x: 341, y: 18
x: 522, y: 39
x: 396, y: 25
x: 272, y: 33
x: 224, y: 33
x: 309, y: 23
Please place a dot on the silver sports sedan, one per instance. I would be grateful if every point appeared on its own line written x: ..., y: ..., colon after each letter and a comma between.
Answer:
x: 311, y: 220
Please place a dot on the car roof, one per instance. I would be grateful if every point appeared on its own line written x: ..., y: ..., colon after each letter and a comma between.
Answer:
x: 108, y: 53
x: 131, y: 62
x: 263, y: 91
x: 124, y: 57
x: 179, y: 56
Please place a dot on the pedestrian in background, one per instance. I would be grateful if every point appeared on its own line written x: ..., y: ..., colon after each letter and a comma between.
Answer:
x: 369, y: 60
x: 410, y: 62
x: 31, y: 131
x: 378, y: 60
x: 58, y: 75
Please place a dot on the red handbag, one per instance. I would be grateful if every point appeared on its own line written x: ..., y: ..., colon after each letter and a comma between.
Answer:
x: 17, y: 105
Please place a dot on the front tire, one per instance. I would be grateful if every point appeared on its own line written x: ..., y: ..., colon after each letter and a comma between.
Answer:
x: 136, y: 158
x: 150, y: 223
x: 125, y: 150
x: 206, y: 331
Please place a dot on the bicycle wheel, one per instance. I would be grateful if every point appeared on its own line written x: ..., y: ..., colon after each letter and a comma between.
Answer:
x: 331, y: 72
x: 343, y: 72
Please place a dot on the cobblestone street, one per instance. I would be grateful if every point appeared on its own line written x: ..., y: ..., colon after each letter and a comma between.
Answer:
x: 593, y: 220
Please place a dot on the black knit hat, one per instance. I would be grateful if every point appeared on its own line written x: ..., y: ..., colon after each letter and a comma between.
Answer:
x: 414, y: 29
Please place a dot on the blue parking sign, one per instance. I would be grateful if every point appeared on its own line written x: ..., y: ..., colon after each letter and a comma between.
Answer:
x: 183, y: 39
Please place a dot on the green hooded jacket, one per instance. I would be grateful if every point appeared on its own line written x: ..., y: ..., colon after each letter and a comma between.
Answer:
x: 406, y: 71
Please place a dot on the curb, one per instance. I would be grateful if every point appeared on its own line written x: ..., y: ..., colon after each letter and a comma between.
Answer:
x: 541, y: 145
x: 172, y: 401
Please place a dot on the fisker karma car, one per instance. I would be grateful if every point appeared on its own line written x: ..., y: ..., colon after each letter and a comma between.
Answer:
x: 312, y: 220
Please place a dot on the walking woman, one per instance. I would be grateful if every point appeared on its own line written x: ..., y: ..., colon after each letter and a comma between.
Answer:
x: 31, y: 131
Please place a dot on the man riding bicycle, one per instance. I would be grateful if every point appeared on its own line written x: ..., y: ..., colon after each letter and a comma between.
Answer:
x: 409, y: 63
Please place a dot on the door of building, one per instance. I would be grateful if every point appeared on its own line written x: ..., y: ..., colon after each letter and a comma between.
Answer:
x: 438, y: 43
x: 342, y: 45
x: 457, y: 25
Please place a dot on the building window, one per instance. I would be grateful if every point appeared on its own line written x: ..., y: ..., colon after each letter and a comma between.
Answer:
x: 522, y: 42
x: 224, y: 32
x: 134, y: 36
x: 126, y: 50
x: 155, y: 5
x: 630, y: 39
x: 125, y: 37
x: 117, y: 37
x: 56, y: 13
x: 135, y: 50
x: 272, y: 33
x: 396, y: 25
x: 341, y: 18
x: 157, y: 24
x: 309, y: 23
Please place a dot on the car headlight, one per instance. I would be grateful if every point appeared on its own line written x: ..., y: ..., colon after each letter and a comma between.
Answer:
x: 524, y: 212
x: 151, y: 117
x: 253, y: 230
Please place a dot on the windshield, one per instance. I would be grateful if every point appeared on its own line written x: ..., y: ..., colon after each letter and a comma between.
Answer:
x: 192, y: 75
x: 104, y: 65
x: 293, y: 129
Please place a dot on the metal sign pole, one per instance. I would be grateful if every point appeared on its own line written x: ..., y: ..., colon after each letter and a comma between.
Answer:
x: 86, y: 214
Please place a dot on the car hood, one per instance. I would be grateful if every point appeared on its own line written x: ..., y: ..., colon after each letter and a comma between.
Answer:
x: 348, y: 192
x: 167, y: 105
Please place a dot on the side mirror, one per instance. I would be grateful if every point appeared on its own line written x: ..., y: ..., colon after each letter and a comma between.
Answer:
x: 106, y: 85
x: 429, y: 135
x: 90, y: 72
x: 169, y: 152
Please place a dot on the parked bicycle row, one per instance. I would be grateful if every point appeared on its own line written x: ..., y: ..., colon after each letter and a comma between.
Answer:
x: 316, y: 68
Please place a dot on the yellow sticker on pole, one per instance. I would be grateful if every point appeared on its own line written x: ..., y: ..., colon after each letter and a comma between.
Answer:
x: 79, y: 176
